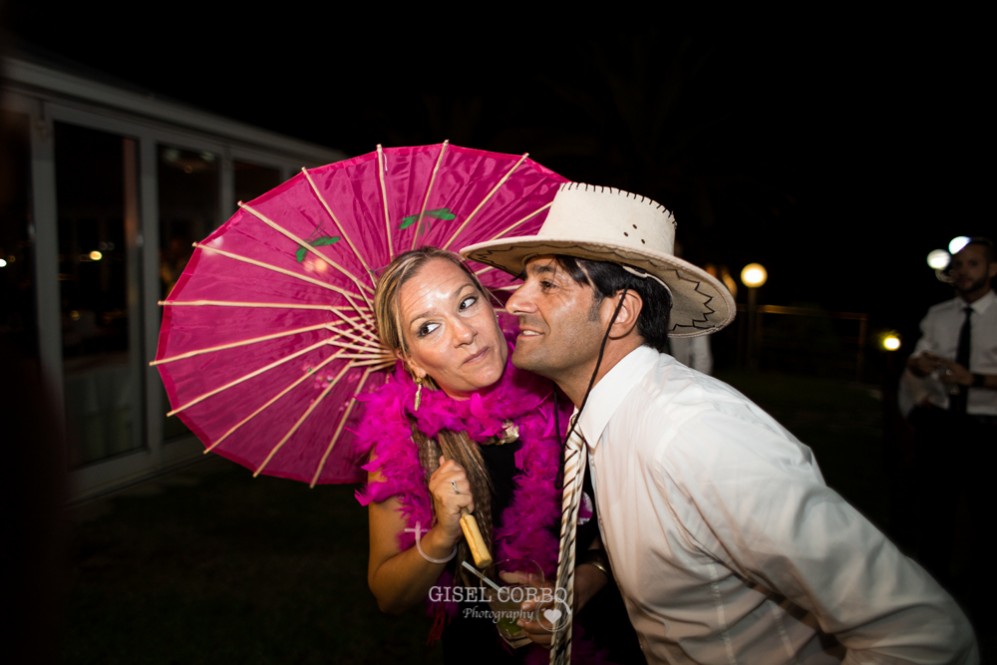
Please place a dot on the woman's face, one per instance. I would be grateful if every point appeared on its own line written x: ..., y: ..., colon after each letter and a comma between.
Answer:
x: 450, y: 330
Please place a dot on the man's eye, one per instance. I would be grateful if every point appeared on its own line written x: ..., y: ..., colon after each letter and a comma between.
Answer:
x: 546, y: 285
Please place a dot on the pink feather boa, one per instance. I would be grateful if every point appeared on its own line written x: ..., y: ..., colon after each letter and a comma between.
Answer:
x: 525, y: 530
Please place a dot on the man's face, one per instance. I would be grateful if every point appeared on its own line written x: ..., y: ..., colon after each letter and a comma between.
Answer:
x: 971, y: 273
x: 560, y: 325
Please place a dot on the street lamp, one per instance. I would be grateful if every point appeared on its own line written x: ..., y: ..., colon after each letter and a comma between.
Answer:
x: 890, y: 341
x: 753, y: 276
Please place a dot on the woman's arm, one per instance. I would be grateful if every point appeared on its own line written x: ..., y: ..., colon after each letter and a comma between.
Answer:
x: 400, y: 579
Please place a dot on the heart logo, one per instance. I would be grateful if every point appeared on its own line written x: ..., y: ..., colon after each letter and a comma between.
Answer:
x: 552, y: 615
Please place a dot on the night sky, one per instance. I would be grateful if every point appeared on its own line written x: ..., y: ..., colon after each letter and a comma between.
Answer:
x: 837, y: 152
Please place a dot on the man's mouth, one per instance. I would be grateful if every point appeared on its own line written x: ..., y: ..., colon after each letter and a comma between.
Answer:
x: 526, y: 331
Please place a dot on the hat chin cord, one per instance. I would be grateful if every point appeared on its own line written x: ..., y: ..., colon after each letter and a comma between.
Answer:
x: 646, y: 275
x: 598, y: 363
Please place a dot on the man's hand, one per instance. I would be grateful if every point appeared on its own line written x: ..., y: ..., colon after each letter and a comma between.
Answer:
x: 924, y: 364
x: 952, y: 373
x: 539, y: 632
x: 548, y: 613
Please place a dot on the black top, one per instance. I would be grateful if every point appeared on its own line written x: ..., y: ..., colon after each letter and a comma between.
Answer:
x: 471, y: 636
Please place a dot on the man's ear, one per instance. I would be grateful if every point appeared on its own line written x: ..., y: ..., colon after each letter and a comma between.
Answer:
x: 626, y: 320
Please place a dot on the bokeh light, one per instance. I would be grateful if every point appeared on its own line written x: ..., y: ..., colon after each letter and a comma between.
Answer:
x: 890, y: 341
x: 939, y: 259
x: 754, y: 275
x: 957, y: 243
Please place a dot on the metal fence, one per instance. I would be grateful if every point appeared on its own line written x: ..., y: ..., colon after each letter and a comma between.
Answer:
x: 803, y: 340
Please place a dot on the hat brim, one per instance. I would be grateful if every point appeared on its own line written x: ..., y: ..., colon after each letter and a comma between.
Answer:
x: 701, y: 304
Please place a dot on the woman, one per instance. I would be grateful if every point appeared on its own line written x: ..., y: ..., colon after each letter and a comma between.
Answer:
x: 458, y: 430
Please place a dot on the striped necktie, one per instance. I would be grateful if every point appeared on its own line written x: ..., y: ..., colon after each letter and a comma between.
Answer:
x: 575, y: 457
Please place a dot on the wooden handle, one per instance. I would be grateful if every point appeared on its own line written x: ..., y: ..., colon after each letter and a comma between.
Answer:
x: 469, y: 525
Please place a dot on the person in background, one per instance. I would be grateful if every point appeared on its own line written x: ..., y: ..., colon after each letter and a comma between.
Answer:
x: 948, y: 393
x: 692, y: 352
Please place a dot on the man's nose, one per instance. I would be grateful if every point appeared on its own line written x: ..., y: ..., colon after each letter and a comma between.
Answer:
x: 519, y: 301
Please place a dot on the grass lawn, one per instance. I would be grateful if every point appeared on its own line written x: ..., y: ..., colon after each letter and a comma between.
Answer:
x: 209, y: 565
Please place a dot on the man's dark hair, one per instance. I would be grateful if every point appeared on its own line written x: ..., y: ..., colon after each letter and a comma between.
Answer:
x: 986, y: 244
x: 608, y: 279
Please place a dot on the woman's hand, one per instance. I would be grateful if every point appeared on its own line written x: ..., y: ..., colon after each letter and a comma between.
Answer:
x: 400, y: 579
x: 451, y: 492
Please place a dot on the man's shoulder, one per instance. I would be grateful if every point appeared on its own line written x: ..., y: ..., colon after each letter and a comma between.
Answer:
x: 944, y: 308
x: 673, y: 393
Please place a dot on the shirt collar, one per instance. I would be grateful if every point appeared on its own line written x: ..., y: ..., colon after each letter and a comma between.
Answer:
x: 611, y: 390
x: 982, y: 304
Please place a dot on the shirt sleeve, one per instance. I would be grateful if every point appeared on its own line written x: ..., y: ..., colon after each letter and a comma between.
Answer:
x: 767, y: 514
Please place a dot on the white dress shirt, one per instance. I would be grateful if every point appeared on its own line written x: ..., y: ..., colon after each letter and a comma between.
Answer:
x: 940, y: 336
x: 727, y: 545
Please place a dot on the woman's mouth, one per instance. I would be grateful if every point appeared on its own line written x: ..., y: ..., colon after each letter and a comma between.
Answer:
x: 477, y: 356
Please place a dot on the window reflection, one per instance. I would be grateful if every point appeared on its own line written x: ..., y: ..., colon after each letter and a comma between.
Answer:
x: 188, y: 206
x: 18, y: 327
x: 188, y: 182
x: 251, y: 180
x: 95, y: 203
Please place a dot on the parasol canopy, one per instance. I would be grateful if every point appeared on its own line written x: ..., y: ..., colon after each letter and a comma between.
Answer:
x: 268, y: 335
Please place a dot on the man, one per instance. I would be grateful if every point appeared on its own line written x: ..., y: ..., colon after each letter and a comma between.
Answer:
x: 951, y: 405
x: 724, y: 540
x: 971, y: 271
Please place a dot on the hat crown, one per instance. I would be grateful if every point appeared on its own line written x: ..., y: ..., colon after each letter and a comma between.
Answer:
x: 609, y: 215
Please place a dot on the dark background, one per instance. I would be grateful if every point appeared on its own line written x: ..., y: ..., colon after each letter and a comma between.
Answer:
x: 837, y: 150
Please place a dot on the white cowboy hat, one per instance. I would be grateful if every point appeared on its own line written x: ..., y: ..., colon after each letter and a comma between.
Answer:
x: 609, y: 224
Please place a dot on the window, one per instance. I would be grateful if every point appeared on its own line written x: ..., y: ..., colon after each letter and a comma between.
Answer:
x: 18, y: 316
x: 96, y: 205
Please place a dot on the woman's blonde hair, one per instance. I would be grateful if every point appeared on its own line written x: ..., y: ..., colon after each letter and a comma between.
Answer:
x: 456, y: 446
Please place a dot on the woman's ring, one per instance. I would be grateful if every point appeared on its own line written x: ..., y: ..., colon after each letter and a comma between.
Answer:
x: 453, y: 484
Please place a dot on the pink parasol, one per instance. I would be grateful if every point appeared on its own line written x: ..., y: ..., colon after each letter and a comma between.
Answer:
x: 268, y: 335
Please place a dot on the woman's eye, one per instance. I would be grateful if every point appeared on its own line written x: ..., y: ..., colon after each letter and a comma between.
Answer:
x: 426, y: 329
x: 546, y: 285
x: 467, y: 302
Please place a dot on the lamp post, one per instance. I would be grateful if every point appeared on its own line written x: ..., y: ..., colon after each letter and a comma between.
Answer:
x: 753, y: 276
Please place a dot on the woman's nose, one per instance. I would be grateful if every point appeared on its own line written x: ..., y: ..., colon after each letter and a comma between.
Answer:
x: 464, y: 332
